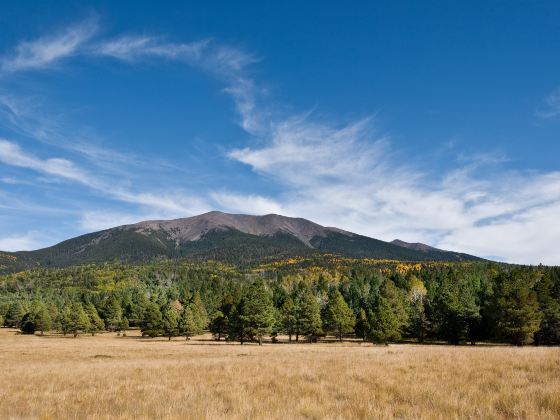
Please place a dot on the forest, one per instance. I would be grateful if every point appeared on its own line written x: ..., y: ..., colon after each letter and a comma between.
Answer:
x: 293, y: 300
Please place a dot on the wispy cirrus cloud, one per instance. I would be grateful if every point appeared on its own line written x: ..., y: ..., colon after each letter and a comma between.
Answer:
x: 229, y: 64
x: 46, y: 51
x: 12, y: 154
x: 133, y: 48
x: 550, y: 108
x: 170, y: 203
x: 348, y: 177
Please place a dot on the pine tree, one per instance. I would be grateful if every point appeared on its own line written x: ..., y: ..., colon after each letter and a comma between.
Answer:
x: 42, y: 318
x: 308, y: 316
x: 218, y: 325
x: 288, y: 317
x: 152, y: 320
x: 361, y: 324
x: 124, y: 326
x: 27, y: 325
x: 170, y: 322
x: 457, y: 309
x: 187, y: 324
x: 398, y: 302
x: 236, y: 324
x: 258, y: 312
x: 548, y: 295
x: 138, y: 310
x: 387, y: 315
x: 78, y: 319
x: 96, y: 324
x: 113, y: 315
x: 15, y: 314
x: 64, y: 320
x: 383, y: 324
x: 199, y: 313
x: 339, y: 317
x: 518, y: 308
x: 418, y: 320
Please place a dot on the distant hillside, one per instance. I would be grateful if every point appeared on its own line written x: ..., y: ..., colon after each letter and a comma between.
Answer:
x: 232, y: 238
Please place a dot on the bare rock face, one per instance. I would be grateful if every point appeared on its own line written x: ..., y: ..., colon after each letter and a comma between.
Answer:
x: 193, y: 228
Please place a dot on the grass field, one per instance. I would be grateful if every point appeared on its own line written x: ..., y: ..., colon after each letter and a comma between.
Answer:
x: 130, y: 377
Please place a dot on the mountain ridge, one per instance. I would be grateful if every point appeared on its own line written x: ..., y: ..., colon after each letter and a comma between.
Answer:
x: 232, y: 238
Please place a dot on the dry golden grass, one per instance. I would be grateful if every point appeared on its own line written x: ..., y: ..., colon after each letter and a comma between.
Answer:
x: 115, y: 377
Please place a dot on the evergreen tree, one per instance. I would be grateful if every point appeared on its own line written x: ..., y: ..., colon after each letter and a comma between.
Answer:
x: 218, y: 325
x: 187, y: 324
x: 418, y: 321
x: 96, y: 324
x: 398, y: 302
x: 138, y: 310
x: 388, y: 315
x: 517, y: 308
x: 199, y: 313
x: 113, y: 315
x: 152, y: 321
x: 27, y: 325
x: 308, y: 316
x: 258, y: 312
x: 383, y: 324
x: 361, y: 324
x: 42, y: 319
x: 236, y: 324
x: 548, y: 295
x: 170, y: 322
x: 288, y: 317
x: 339, y: 317
x: 78, y: 320
x: 15, y: 314
x: 124, y: 325
x: 64, y: 320
x: 458, y: 312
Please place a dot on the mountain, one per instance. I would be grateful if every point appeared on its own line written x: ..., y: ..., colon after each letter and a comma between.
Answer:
x: 417, y: 246
x: 233, y: 238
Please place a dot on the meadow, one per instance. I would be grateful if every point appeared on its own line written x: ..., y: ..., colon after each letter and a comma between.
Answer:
x: 107, y: 376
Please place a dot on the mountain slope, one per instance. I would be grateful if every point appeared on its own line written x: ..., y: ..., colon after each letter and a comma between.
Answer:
x: 233, y: 238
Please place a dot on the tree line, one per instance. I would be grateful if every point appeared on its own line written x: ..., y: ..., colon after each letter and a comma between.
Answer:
x: 380, y: 302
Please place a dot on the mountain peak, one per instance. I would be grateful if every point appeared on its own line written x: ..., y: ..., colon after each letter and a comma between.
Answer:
x: 193, y: 228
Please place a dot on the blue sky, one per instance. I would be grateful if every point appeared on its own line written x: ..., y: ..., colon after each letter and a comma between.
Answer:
x: 425, y: 121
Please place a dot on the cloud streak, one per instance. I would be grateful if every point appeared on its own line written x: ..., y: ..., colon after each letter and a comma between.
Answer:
x: 550, y: 107
x: 170, y: 203
x: 347, y: 177
x: 47, y: 51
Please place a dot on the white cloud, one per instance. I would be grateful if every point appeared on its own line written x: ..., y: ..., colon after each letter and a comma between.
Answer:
x: 551, y: 106
x: 346, y: 177
x: 251, y: 204
x: 25, y: 242
x: 168, y: 203
x: 46, y: 51
x: 131, y: 48
x: 224, y: 62
x: 102, y: 219
x: 11, y: 154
